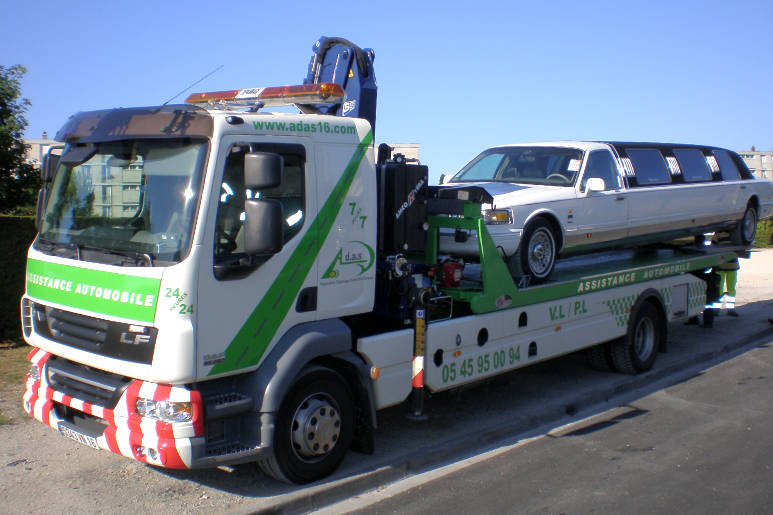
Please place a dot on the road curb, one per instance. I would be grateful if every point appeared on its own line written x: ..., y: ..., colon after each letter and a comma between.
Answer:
x: 405, y: 465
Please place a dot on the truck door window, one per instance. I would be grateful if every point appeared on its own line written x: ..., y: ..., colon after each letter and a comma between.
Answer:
x: 229, y: 236
x: 601, y: 164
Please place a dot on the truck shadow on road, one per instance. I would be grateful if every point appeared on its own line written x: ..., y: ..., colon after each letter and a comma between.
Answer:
x: 468, y: 421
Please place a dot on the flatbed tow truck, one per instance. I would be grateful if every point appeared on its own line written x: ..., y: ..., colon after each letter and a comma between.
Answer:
x: 267, y: 284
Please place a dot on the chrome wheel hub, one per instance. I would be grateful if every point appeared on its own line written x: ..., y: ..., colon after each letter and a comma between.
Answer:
x: 316, y: 427
x: 541, y: 252
x: 644, y: 339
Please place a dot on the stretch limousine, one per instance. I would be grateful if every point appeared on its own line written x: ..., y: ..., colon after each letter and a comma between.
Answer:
x: 568, y: 197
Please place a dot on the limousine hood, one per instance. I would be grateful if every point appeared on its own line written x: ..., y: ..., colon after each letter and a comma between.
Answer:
x: 507, y: 194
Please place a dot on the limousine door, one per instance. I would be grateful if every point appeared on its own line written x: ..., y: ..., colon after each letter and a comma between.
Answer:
x: 600, y: 216
x: 661, y: 208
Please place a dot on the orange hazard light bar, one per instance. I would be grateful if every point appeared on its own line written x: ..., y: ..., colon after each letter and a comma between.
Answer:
x: 325, y: 93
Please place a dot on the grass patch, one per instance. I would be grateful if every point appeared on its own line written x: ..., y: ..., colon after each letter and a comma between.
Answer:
x: 764, y: 232
x: 13, y: 367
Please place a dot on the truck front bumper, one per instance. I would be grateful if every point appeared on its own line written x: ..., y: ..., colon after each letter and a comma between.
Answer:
x: 121, y: 430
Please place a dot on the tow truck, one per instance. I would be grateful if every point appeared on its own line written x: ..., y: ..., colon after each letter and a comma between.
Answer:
x: 213, y: 283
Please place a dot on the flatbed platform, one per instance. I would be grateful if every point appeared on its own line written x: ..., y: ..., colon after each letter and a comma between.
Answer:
x: 611, y: 269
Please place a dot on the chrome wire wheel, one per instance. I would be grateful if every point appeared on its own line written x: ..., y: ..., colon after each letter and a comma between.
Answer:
x: 316, y: 427
x: 541, y: 252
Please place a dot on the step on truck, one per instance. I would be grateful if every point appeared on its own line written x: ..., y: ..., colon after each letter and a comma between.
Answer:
x: 213, y: 283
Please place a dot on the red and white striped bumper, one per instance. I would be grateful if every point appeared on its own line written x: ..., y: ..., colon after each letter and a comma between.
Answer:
x: 144, y: 439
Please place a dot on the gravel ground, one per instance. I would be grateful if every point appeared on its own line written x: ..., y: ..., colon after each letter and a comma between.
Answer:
x: 43, y: 472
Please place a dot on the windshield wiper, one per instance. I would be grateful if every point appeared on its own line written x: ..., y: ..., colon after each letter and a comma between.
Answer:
x: 53, y: 245
x: 136, y: 258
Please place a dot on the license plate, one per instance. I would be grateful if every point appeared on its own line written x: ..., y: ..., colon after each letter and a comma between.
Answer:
x: 78, y: 437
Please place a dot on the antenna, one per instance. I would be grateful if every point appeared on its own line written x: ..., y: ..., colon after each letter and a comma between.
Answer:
x: 189, y: 87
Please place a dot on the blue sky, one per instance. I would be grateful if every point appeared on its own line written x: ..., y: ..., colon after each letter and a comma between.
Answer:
x: 455, y: 77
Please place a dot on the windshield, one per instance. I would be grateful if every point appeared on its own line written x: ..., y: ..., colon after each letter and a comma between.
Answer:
x: 124, y: 202
x: 525, y: 165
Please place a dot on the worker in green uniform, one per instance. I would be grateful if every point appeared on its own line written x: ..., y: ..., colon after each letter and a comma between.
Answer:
x: 728, y: 279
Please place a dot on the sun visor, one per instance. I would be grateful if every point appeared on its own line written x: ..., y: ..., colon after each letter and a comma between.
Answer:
x: 174, y: 121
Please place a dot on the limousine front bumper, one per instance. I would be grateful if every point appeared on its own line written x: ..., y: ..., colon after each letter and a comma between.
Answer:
x: 464, y: 243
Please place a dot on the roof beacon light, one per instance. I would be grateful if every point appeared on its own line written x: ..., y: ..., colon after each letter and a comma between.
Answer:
x: 325, y: 93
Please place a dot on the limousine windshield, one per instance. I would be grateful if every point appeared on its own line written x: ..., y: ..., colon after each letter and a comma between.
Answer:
x: 551, y: 166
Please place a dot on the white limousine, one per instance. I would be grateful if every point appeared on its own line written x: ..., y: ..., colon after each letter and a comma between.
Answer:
x: 567, y: 197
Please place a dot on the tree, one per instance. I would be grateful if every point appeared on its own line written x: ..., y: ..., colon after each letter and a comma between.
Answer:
x: 19, y: 181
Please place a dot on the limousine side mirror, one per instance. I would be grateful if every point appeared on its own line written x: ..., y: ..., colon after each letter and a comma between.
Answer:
x: 594, y: 185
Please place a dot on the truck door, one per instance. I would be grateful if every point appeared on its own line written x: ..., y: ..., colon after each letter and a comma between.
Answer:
x: 246, y: 301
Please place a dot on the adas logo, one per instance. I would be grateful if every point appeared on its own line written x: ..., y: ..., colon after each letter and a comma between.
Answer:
x: 353, y: 253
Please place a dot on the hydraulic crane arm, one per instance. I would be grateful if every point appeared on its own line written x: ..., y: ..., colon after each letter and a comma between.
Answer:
x: 342, y: 62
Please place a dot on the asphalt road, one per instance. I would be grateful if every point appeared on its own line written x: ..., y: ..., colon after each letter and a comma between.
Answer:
x: 702, y: 446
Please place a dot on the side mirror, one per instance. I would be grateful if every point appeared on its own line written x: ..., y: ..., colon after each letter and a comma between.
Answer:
x: 262, y: 170
x: 41, y: 206
x: 445, y: 177
x: 263, y: 226
x: 49, y: 164
x: 594, y: 185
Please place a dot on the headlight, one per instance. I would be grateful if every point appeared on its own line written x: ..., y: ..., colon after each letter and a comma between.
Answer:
x: 166, y: 411
x: 497, y: 216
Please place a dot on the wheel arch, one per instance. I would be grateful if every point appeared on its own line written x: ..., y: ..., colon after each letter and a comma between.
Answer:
x: 321, y: 344
x: 552, y: 219
x: 755, y: 202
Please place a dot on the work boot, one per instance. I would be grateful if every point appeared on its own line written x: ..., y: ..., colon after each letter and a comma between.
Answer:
x: 708, y: 318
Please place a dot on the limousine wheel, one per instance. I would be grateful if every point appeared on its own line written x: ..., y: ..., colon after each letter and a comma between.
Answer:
x: 537, y: 252
x: 636, y: 351
x: 746, y: 230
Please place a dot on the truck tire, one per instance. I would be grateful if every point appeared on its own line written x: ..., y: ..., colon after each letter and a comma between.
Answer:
x: 637, y: 350
x: 314, y: 428
x: 537, y: 251
x: 746, y: 230
x: 600, y: 357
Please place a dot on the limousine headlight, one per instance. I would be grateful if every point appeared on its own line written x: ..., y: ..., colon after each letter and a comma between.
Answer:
x: 497, y: 216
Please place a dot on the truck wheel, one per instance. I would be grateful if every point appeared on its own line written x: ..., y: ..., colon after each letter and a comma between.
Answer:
x: 600, y: 357
x: 746, y: 230
x: 637, y: 350
x: 537, y: 250
x: 314, y: 429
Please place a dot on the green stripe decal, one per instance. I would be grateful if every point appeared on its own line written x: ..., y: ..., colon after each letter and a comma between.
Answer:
x: 105, y: 293
x: 253, y: 338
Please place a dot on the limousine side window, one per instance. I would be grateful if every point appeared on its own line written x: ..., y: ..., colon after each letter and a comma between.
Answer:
x: 601, y: 164
x: 649, y: 165
x: 726, y: 166
x: 693, y: 164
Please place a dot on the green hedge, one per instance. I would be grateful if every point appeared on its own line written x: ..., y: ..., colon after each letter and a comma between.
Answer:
x: 17, y: 234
